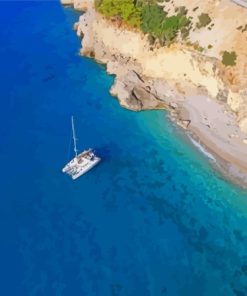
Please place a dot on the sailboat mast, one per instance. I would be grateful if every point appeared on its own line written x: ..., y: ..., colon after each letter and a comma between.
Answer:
x: 74, y: 136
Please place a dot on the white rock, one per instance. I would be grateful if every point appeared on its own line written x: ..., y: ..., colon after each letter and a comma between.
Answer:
x: 173, y: 105
x: 83, y: 4
x: 67, y: 2
x: 79, y: 4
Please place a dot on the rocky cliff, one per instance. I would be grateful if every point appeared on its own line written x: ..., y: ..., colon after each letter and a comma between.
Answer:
x: 164, y: 74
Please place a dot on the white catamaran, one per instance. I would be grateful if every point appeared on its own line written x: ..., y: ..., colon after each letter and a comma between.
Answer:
x: 82, y: 162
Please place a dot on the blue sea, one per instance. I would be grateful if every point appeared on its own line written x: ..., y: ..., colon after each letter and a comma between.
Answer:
x: 152, y: 219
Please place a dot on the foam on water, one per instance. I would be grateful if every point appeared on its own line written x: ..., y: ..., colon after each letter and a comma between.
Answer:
x: 202, y: 149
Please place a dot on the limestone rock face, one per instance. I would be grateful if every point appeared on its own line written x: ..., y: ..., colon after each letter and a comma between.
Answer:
x: 136, y: 94
x: 81, y: 5
x: 175, y: 71
x: 67, y: 2
x: 243, y: 125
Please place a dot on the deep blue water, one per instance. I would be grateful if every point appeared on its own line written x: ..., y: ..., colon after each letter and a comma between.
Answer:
x: 152, y: 219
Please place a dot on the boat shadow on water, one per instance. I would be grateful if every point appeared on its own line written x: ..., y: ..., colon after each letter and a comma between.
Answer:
x: 104, y: 152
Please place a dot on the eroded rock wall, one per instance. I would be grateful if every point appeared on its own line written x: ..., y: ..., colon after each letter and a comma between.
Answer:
x: 183, y: 70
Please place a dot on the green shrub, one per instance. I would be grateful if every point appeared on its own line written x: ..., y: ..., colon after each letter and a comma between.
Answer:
x: 244, y: 29
x: 125, y: 9
x: 185, y: 32
x: 97, y: 3
x: 198, y: 47
x: 181, y: 10
x: 171, y: 25
x: 156, y: 22
x: 151, y: 39
x: 203, y: 20
x: 148, y: 16
x: 152, y: 17
x: 229, y: 58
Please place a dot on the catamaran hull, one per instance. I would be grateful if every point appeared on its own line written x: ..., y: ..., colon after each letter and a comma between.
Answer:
x: 76, y: 169
x: 92, y: 164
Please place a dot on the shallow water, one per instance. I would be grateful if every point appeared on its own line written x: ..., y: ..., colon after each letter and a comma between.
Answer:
x: 152, y: 219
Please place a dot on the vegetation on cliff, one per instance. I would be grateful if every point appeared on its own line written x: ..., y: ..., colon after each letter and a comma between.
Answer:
x: 155, y: 22
x: 124, y: 9
x: 152, y: 19
x: 203, y: 20
x: 148, y: 16
x: 229, y: 58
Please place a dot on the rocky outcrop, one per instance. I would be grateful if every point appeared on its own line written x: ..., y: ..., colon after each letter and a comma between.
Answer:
x: 182, y: 68
x: 80, y: 5
x: 136, y: 93
x: 67, y: 2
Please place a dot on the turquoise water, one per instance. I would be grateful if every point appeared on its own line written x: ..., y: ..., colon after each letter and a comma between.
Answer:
x: 152, y: 219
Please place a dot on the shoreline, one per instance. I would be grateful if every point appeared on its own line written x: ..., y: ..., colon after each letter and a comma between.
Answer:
x: 207, y: 120
x: 232, y: 167
x: 216, y: 130
x: 228, y: 170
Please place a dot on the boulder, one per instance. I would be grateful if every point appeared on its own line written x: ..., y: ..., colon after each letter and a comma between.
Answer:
x: 243, y: 125
x: 83, y: 5
x: 147, y: 100
x: 67, y: 2
x: 184, y: 123
x: 173, y: 105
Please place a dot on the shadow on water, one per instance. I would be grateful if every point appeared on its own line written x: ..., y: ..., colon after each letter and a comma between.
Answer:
x: 104, y: 152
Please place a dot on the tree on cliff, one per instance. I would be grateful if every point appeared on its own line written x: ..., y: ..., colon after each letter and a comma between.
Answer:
x: 125, y: 9
x: 146, y: 15
x: 156, y: 23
